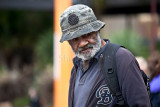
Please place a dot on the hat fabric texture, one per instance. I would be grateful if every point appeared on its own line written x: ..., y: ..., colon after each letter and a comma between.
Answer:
x: 78, y: 20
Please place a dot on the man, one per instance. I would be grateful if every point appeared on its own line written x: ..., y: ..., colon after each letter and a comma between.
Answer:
x: 88, y: 87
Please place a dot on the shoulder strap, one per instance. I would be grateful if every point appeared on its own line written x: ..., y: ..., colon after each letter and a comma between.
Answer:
x: 109, y: 70
x: 146, y: 81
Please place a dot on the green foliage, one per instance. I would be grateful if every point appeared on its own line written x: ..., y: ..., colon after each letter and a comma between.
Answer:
x: 21, y: 102
x: 132, y: 41
x: 21, y: 37
x: 22, y: 28
x: 44, y: 49
x: 158, y: 45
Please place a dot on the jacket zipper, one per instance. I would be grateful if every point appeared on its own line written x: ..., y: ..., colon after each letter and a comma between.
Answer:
x: 72, y: 96
x: 95, y: 83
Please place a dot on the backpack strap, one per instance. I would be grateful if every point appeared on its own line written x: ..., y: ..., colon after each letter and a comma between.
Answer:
x: 109, y: 70
x: 146, y: 81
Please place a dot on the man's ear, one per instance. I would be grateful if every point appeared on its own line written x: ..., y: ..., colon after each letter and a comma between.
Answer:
x: 69, y: 42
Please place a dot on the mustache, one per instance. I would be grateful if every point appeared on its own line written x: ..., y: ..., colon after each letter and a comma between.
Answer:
x: 85, y: 47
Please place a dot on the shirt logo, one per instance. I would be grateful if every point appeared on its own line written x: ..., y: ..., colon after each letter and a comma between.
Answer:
x: 104, y: 94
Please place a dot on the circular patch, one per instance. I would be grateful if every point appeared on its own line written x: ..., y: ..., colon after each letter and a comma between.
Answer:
x: 73, y: 19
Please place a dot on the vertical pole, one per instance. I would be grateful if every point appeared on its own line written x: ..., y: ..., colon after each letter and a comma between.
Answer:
x: 62, y: 58
x: 153, y: 25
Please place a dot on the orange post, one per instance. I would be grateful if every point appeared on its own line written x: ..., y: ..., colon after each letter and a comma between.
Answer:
x: 62, y: 58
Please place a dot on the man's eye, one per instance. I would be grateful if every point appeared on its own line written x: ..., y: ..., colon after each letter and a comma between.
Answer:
x: 89, y: 34
x: 75, y: 39
x: 86, y: 35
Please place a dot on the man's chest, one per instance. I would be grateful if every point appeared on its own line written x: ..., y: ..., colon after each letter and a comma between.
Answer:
x: 91, y: 89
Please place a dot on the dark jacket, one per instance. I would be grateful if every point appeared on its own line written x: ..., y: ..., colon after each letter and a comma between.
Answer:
x: 131, y: 84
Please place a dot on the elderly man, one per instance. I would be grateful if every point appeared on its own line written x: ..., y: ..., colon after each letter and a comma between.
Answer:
x: 88, y: 87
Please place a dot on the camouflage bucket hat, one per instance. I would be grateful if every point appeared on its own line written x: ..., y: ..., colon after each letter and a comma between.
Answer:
x: 78, y: 20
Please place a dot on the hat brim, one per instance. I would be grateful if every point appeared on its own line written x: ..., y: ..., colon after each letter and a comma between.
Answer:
x: 84, y: 29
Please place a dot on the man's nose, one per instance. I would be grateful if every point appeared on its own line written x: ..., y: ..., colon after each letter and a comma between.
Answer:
x: 82, y: 42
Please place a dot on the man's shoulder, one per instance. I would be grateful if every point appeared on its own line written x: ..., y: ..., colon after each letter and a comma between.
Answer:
x: 124, y: 54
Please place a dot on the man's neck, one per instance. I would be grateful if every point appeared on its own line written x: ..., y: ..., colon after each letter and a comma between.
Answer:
x: 85, y: 65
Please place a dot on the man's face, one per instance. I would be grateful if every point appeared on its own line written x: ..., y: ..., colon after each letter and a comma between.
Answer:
x: 86, y: 46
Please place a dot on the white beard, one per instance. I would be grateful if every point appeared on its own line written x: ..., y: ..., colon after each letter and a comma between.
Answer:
x: 92, y: 52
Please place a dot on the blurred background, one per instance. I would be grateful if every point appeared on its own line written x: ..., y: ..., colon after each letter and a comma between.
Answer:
x: 27, y: 43
x: 26, y: 53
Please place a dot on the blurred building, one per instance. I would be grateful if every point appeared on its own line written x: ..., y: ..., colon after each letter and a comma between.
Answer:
x: 43, y: 5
